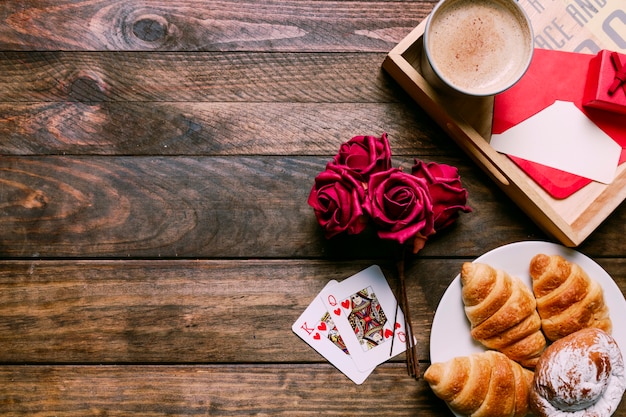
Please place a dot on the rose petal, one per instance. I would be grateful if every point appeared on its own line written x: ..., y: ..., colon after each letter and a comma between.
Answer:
x: 337, y: 200
x: 400, y: 205
x: 363, y: 156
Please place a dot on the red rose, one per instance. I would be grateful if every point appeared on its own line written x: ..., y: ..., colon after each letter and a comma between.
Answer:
x: 446, y: 192
x: 337, y: 199
x: 362, y: 156
x: 400, y: 204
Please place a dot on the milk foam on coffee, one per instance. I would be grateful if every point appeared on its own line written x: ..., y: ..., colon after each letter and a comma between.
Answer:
x: 479, y: 45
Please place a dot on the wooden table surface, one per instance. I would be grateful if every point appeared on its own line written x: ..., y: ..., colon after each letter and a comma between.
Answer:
x: 155, y: 239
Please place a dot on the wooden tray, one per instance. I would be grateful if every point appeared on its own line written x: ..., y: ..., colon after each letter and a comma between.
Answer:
x: 468, y: 122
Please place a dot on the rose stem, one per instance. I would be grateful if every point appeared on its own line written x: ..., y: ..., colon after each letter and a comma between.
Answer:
x: 412, y: 362
x: 395, y: 321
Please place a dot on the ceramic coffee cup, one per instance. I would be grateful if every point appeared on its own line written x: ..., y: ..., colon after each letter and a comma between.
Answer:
x: 476, y: 47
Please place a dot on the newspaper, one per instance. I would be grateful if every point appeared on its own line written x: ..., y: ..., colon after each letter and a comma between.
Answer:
x: 585, y: 26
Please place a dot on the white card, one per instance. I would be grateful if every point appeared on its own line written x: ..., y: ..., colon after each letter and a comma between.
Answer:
x: 562, y: 137
x: 315, y: 326
x: 363, y: 308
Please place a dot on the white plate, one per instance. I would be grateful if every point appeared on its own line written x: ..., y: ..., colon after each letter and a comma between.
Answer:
x: 450, y: 334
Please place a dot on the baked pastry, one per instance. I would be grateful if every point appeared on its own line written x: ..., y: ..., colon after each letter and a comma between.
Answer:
x: 486, y: 384
x: 502, y: 313
x: 579, y: 375
x: 567, y: 298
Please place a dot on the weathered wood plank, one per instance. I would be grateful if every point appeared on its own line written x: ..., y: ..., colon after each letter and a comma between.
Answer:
x: 216, y: 77
x: 98, y: 312
x: 285, y: 390
x: 277, y: 390
x: 60, y: 206
x: 154, y: 206
x: 203, y: 128
x: 187, y: 134
x: 244, y: 206
x: 208, y: 25
x: 163, y: 311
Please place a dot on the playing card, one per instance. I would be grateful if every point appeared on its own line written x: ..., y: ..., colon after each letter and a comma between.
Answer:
x: 363, y: 308
x: 316, y: 327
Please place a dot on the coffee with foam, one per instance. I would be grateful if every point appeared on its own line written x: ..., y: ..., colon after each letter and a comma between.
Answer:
x: 479, y: 47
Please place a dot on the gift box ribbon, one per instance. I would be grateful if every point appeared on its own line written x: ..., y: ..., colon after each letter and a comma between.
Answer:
x: 620, y: 74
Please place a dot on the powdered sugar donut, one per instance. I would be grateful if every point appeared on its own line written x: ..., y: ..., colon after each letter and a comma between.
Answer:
x: 579, y: 375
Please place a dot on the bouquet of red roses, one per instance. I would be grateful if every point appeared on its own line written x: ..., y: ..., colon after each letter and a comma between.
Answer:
x: 360, y: 184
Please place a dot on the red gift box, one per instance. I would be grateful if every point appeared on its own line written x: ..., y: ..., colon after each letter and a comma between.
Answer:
x: 600, y: 78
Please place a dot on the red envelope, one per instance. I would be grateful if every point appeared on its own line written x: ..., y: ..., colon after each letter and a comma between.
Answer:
x: 553, y: 75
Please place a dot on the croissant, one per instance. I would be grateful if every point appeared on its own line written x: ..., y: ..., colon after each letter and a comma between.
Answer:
x: 486, y: 384
x: 567, y: 299
x: 502, y: 313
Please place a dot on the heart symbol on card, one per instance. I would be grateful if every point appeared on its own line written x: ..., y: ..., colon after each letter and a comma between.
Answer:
x: 322, y: 326
x: 397, y: 325
x: 388, y: 333
x: 345, y: 304
x: 316, y: 336
x: 337, y: 311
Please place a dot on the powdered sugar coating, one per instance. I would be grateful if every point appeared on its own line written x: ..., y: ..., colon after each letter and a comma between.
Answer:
x: 580, y: 379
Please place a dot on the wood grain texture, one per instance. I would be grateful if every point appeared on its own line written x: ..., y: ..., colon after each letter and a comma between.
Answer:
x: 196, y: 207
x: 207, y: 128
x: 202, y: 76
x: 58, y: 206
x: 155, y: 241
x: 69, y: 103
x: 208, y: 25
x: 174, y: 311
x: 284, y: 390
x: 184, y: 311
